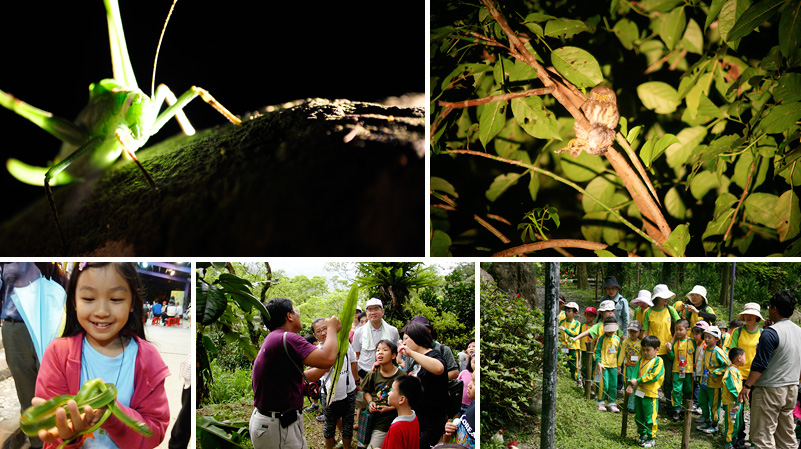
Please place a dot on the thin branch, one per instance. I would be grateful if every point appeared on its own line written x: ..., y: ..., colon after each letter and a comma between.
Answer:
x: 492, y: 98
x: 555, y: 244
x: 491, y: 229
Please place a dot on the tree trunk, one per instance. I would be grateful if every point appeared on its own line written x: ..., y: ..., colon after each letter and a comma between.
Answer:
x: 516, y: 277
x: 582, y: 276
x: 317, y: 178
x: 725, y: 277
x: 549, y: 356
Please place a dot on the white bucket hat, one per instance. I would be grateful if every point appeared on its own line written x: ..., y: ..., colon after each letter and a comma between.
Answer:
x: 751, y: 308
x: 713, y: 330
x: 662, y: 291
x: 644, y: 297
x: 698, y: 289
x: 606, y: 306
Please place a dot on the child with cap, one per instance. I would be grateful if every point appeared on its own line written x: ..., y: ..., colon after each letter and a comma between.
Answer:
x: 650, y: 375
x: 606, y: 353
x: 699, y: 345
x: 641, y: 303
x: 725, y: 336
x: 715, y: 364
x: 571, y: 328
x: 630, y: 352
x: 746, y: 337
x: 588, y: 358
x: 606, y: 309
x: 682, y: 352
x: 732, y: 385
x: 658, y: 321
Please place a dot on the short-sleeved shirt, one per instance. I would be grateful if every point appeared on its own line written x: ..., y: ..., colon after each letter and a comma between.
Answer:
x: 345, y: 384
x: 433, y: 404
x: 683, y: 348
x: 572, y: 329
x: 277, y: 382
x: 379, y: 387
x: 444, y: 351
x: 657, y: 323
x: 404, y: 433
x: 743, y: 338
x: 606, y: 353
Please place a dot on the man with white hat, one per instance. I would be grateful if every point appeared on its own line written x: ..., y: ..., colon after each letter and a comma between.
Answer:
x: 772, y: 384
x: 366, y: 337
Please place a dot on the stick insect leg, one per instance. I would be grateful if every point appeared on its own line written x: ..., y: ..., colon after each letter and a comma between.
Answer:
x: 91, y: 145
x: 184, y: 99
x: 163, y: 93
x: 128, y: 145
x: 62, y: 129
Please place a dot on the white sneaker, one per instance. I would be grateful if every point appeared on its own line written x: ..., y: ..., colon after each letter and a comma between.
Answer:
x: 601, y: 407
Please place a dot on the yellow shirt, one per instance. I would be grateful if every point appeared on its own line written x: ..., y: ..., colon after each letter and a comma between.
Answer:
x: 639, y: 313
x: 694, y: 318
x: 683, y: 349
x: 657, y: 323
x: 572, y: 329
x: 584, y: 340
x: 630, y: 352
x: 716, y: 362
x: 607, y: 350
x: 748, y: 341
x: 650, y: 376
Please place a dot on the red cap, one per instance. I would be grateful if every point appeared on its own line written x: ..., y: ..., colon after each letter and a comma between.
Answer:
x: 591, y: 310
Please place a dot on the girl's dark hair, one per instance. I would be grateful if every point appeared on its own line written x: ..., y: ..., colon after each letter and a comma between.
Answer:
x: 651, y: 341
x: 393, y: 347
x: 419, y: 334
x: 469, y: 366
x: 362, y: 315
x: 278, y: 308
x: 310, y: 338
x: 128, y: 272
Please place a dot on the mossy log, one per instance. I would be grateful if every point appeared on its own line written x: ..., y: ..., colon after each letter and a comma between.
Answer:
x: 312, y: 178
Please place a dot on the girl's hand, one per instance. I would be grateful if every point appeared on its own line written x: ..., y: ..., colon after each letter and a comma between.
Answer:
x: 66, y: 428
x: 450, y: 429
x: 373, y: 408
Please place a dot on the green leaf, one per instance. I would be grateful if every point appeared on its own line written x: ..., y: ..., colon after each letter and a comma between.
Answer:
x: 658, y: 96
x: 632, y: 135
x: 440, y: 244
x: 754, y: 16
x: 534, y: 187
x: 535, y: 119
x: 583, y: 167
x: 627, y: 32
x: 732, y: 10
x: 348, y: 311
x: 501, y: 184
x: 702, y: 183
x: 788, y: 88
x: 577, y: 66
x: 773, y: 61
x: 441, y: 185
x: 564, y: 27
x: 714, y: 10
x: 743, y: 167
x: 491, y: 121
x: 670, y: 26
x: 600, y: 188
x: 604, y: 253
x: 654, y: 148
x: 761, y: 208
x: 781, y: 118
x: 659, y: 5
x: 211, y: 303
x: 789, y: 168
x: 678, y: 240
x: 693, y: 39
x: 788, y: 216
x: 674, y: 204
x: 790, y: 29
x: 689, y: 138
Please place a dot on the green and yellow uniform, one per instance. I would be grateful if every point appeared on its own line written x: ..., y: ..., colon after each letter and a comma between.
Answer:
x: 743, y: 338
x: 715, y: 365
x: 732, y: 385
x: 683, y: 353
x: 629, y: 356
x: 650, y: 375
x: 572, y: 329
x: 606, y: 353
x: 639, y: 314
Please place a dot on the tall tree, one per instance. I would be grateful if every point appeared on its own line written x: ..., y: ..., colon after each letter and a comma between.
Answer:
x: 582, y: 275
x: 393, y: 282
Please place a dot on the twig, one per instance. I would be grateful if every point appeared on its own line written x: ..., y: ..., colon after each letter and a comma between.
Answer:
x: 555, y: 244
x: 490, y: 99
x: 491, y: 229
x: 740, y: 202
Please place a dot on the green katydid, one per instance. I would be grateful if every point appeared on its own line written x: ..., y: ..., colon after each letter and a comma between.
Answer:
x: 119, y: 118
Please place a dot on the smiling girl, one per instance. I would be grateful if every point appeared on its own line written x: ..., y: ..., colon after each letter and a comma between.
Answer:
x: 104, y: 338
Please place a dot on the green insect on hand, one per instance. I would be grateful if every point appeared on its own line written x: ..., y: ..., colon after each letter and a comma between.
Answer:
x: 119, y: 118
x: 94, y: 393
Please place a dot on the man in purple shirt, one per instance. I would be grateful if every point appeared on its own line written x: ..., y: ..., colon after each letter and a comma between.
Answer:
x: 277, y: 380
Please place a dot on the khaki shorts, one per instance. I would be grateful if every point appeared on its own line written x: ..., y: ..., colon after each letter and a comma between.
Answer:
x: 266, y: 433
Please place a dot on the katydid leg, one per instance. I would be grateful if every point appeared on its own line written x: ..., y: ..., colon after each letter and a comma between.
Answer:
x: 163, y: 93
x: 62, y: 129
x: 183, y: 100
x: 128, y: 145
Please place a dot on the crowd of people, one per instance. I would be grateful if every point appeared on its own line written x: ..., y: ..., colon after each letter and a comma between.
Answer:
x: 681, y: 349
x: 395, y: 389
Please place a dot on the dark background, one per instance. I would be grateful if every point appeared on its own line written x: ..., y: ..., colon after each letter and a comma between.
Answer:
x: 248, y: 54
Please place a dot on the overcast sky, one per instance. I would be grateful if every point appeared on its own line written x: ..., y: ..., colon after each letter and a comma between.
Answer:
x: 315, y: 267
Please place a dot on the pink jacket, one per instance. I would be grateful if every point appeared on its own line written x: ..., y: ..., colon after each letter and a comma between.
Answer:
x: 60, y: 373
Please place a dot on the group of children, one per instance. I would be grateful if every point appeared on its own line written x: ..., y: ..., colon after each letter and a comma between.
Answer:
x: 669, y: 347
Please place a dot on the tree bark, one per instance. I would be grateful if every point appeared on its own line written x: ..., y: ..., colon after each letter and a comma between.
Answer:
x: 582, y: 275
x: 315, y: 178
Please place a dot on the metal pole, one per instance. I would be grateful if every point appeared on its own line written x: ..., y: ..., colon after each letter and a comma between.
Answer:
x: 548, y: 423
x: 731, y: 296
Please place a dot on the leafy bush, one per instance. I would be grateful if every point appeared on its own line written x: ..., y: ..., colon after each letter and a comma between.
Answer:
x: 230, y: 387
x: 511, y: 358
x: 709, y: 96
